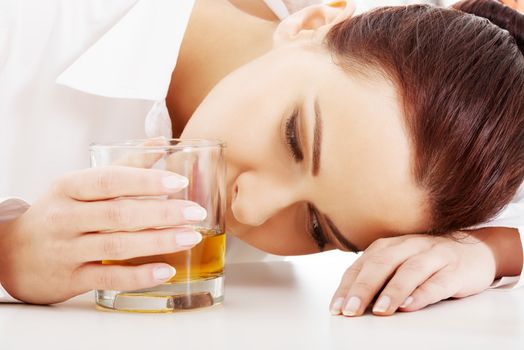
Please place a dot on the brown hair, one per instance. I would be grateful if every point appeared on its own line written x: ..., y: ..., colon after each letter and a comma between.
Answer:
x: 461, y: 81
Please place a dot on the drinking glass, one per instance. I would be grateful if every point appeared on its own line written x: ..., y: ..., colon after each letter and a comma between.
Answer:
x: 199, y: 279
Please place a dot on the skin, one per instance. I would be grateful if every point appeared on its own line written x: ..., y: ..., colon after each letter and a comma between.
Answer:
x: 516, y: 4
x: 363, y: 181
x: 268, y: 188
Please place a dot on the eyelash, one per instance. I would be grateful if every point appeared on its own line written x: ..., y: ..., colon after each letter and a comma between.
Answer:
x: 292, y: 138
x: 315, y: 229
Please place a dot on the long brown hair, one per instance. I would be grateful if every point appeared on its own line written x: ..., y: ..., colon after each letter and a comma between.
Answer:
x: 460, y: 77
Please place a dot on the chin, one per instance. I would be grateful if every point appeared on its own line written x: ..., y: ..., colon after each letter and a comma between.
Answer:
x: 233, y: 227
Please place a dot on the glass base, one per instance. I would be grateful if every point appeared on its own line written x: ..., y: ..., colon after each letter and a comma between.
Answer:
x: 169, y: 297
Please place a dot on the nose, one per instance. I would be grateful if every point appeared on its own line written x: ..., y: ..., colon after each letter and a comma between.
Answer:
x: 257, y: 198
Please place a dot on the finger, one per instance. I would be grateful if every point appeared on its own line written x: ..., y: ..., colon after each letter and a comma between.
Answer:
x: 351, y: 273
x: 442, y: 285
x: 412, y: 273
x: 127, y: 245
x: 136, y: 214
x: 345, y: 283
x: 145, y: 158
x: 376, y: 270
x: 119, y: 181
x: 125, y: 278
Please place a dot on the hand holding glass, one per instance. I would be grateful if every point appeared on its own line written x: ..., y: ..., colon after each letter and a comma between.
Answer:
x: 198, y: 281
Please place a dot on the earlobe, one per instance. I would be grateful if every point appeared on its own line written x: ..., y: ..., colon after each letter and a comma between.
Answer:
x: 312, y: 20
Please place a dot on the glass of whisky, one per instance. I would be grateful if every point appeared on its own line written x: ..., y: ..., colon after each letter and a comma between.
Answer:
x: 199, y: 279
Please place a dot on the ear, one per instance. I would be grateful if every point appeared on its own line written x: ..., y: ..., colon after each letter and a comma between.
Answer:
x: 312, y: 22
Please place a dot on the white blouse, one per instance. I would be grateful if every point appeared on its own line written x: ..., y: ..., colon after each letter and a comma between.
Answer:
x: 77, y: 72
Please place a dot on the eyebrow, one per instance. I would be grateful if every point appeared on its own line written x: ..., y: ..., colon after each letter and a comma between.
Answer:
x: 317, y: 140
x: 347, y: 245
x: 315, y: 167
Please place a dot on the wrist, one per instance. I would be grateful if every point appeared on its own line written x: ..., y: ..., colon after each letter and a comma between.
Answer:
x: 506, y: 247
x: 7, y: 245
x: 3, y: 238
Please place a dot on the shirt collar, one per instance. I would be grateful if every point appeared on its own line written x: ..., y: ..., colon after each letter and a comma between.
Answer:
x: 136, y: 57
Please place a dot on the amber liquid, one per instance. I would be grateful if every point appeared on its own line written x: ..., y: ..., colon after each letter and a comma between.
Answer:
x: 205, y: 260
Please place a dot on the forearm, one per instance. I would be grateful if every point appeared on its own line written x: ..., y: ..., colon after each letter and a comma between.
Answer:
x: 10, y: 209
x: 506, y: 248
x: 5, y: 297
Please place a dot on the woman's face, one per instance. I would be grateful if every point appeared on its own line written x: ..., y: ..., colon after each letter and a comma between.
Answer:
x: 313, y: 154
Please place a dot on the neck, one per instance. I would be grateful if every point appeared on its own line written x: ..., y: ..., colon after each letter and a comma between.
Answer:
x: 219, y: 38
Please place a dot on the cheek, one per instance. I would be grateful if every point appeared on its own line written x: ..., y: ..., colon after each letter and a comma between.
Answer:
x: 247, y: 117
x: 243, y: 107
x: 230, y: 113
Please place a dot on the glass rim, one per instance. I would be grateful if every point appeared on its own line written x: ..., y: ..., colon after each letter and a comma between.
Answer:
x: 138, y: 143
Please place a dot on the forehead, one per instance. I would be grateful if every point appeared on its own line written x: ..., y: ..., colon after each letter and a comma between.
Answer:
x: 366, y: 161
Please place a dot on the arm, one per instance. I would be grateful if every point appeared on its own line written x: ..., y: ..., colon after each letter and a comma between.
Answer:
x: 409, y: 272
x: 10, y: 209
x: 418, y: 270
x: 506, y: 247
x: 50, y: 253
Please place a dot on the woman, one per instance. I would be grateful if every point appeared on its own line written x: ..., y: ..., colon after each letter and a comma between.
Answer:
x: 270, y: 195
x: 363, y: 137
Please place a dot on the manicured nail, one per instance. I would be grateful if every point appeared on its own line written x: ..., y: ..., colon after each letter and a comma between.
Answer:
x: 351, y: 307
x: 175, y: 182
x: 382, y: 304
x: 164, y: 273
x: 188, y: 239
x: 195, y: 213
x: 407, y: 302
x: 336, y: 306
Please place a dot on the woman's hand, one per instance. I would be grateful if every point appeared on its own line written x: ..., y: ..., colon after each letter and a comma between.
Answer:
x: 412, y: 271
x: 53, y: 251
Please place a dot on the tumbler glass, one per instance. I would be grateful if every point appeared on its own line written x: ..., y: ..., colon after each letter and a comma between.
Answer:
x: 199, y: 280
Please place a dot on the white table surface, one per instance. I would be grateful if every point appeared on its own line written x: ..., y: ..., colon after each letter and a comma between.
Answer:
x: 272, y: 305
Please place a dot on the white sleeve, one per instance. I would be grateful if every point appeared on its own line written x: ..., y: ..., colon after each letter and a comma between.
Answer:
x: 283, y: 8
x: 10, y: 208
x: 512, y: 216
x: 297, y: 5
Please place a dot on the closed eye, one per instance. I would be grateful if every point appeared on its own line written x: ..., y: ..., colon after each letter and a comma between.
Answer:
x: 292, y: 136
x: 315, y: 229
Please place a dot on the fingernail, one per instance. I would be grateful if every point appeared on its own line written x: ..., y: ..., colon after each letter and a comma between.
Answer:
x: 164, y: 273
x: 336, y: 306
x: 382, y: 304
x: 351, y: 307
x: 175, y: 181
x: 187, y: 239
x: 195, y: 213
x: 407, y: 302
